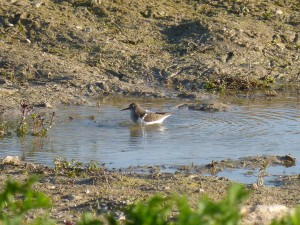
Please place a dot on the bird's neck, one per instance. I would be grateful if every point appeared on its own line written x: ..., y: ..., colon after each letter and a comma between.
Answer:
x: 140, y: 111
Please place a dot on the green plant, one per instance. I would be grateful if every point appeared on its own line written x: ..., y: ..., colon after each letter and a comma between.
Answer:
x: 262, y: 173
x: 209, y: 85
x: 158, y: 210
x: 270, y: 79
x: 21, y: 27
x: 267, y: 15
x: 209, y: 212
x: 72, y: 168
x: 39, y: 124
x: 17, y: 199
x: 155, y: 212
x: 93, y: 166
x: 3, y: 128
x: 23, y: 128
x: 180, y: 87
x: 75, y: 168
x: 88, y: 219
x: 39, y: 127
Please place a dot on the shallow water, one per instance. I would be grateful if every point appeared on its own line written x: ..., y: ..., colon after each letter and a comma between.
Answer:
x: 251, y: 127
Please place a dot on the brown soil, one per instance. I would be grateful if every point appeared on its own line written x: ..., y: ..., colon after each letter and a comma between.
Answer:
x: 74, y: 192
x: 67, y: 51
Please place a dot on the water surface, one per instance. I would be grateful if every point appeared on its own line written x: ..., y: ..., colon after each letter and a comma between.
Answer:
x: 105, y: 134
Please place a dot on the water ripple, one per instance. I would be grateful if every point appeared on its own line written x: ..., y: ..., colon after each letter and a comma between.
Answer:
x: 107, y: 135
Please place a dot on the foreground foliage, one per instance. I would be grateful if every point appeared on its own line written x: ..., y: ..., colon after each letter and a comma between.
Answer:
x: 17, y: 200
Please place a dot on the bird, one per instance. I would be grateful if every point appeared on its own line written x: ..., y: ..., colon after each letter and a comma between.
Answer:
x: 140, y: 115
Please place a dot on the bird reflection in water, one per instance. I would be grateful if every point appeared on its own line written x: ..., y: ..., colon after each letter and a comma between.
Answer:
x: 143, y: 131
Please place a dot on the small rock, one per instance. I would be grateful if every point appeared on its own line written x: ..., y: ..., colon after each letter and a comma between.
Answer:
x: 210, y: 107
x: 296, y: 39
x: 263, y: 214
x: 44, y: 104
x: 280, y: 76
x: 279, y: 12
x: 120, y: 216
x: 271, y: 93
x: 88, y: 29
x: 254, y: 186
x: 5, y: 91
x: 102, y: 86
x: 200, y: 190
x: 69, y: 197
x: 193, y: 176
x: 38, y: 3
x: 30, y: 166
x: 287, y: 160
x: 13, y: 160
x: 51, y: 187
x: 2, y: 81
x: 104, y: 208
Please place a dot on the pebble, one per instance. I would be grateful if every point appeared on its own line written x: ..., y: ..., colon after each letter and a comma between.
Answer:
x: 104, y: 208
x: 254, y: 186
x: 201, y: 190
x: 51, y: 187
x: 38, y: 3
x: 11, y: 160
x: 263, y: 214
x: 69, y: 198
x: 88, y: 29
x: 3, y: 81
x: 193, y: 176
x: 120, y: 216
x: 30, y: 166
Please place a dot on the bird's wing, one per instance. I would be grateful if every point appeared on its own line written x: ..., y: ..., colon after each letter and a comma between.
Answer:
x: 150, y: 116
x: 143, y: 114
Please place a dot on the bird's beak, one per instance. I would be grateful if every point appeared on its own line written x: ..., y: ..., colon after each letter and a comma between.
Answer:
x: 125, y: 109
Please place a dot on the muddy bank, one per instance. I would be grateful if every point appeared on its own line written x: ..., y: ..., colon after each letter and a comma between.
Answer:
x: 69, y: 51
x: 74, y: 190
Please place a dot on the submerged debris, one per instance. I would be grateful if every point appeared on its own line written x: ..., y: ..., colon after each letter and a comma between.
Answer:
x: 287, y: 160
x: 207, y: 106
